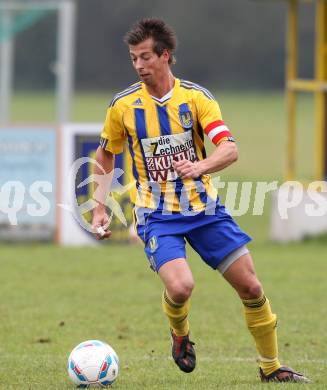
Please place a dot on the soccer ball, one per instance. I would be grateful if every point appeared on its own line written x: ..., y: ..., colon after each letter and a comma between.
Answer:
x: 93, y: 363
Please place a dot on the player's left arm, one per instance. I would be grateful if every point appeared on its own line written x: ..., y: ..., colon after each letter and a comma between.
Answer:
x: 225, y: 153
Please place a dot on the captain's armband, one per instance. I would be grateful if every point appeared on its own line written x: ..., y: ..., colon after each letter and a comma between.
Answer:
x: 218, y: 132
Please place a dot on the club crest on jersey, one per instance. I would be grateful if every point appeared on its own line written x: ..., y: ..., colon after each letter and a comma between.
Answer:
x: 153, y: 244
x: 185, y: 116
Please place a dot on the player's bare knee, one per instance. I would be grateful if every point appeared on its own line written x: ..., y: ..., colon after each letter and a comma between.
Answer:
x: 255, y: 290
x: 250, y: 290
x: 181, y: 290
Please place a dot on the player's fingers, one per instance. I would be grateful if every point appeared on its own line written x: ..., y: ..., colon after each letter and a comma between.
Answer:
x: 101, y: 237
x: 181, y: 173
x: 102, y: 233
x: 100, y: 230
x: 188, y: 173
x: 179, y: 164
x: 185, y: 168
x: 107, y: 221
x: 185, y: 174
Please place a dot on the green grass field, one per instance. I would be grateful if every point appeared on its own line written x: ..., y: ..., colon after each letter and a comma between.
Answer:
x: 53, y: 298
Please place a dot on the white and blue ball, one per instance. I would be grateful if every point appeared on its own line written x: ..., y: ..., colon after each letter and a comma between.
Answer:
x: 93, y: 363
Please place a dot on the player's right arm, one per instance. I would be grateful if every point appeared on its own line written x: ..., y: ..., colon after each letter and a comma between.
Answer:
x: 112, y: 140
x: 103, y: 170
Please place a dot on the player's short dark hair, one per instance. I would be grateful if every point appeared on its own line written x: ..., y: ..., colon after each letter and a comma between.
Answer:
x: 163, y: 36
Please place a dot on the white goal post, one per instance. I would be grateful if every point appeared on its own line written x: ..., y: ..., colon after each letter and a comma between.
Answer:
x: 66, y: 10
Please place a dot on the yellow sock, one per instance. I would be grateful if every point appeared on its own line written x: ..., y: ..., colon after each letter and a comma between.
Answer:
x: 262, y: 324
x: 177, y: 314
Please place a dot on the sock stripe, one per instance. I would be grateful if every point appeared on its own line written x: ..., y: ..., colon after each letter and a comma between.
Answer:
x: 251, y: 304
x: 182, y: 319
x: 171, y: 303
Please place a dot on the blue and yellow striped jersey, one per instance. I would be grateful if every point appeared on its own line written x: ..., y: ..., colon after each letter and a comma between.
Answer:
x: 158, y: 132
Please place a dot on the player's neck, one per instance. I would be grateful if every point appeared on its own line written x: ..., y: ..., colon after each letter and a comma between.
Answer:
x: 162, y: 87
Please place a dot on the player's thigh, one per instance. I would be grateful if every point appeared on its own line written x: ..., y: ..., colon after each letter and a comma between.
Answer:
x: 241, y: 275
x: 177, y: 277
x: 217, y: 238
x: 161, y: 249
x: 161, y: 245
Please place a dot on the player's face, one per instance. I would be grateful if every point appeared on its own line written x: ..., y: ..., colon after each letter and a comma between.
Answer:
x: 149, y: 66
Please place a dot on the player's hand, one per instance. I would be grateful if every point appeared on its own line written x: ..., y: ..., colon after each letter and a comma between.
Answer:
x: 100, y: 225
x: 187, y: 169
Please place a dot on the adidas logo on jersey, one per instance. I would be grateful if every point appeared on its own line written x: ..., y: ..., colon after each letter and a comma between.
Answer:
x: 138, y: 102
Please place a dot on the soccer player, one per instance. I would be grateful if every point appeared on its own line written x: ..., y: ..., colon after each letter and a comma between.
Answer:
x: 163, y: 120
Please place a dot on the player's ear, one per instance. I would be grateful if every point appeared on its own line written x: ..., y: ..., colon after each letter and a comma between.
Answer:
x: 166, y: 54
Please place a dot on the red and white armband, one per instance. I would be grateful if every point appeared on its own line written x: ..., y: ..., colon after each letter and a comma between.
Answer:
x: 217, y: 131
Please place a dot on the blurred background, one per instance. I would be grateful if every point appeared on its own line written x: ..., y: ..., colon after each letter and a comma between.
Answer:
x: 226, y: 45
